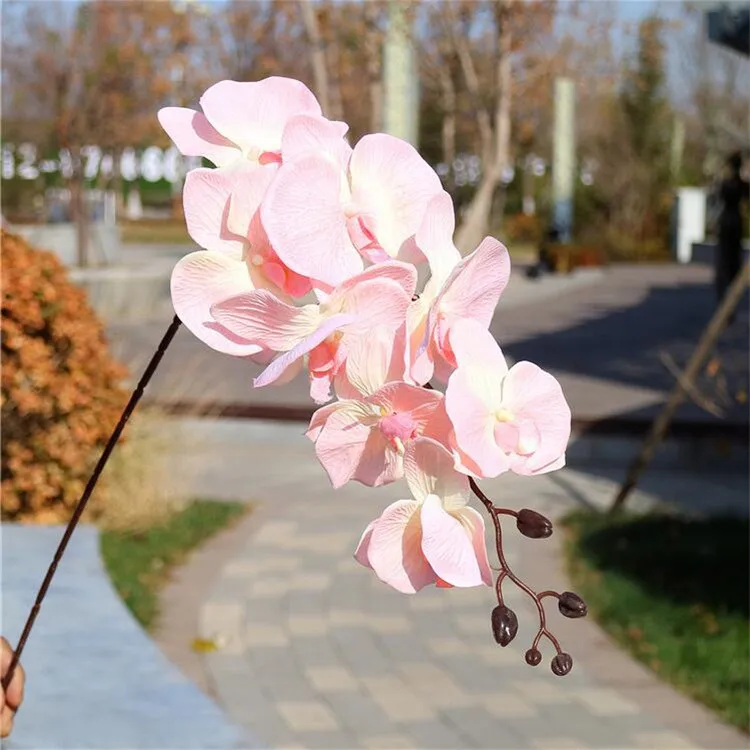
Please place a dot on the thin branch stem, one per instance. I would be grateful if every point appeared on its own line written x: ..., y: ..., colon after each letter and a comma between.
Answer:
x: 506, y: 571
x: 135, y: 397
x: 544, y: 594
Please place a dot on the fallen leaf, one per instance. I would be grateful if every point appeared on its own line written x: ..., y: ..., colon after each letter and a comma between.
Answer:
x: 204, y: 645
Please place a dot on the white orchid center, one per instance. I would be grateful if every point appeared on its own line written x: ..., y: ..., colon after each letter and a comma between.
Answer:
x: 504, y: 415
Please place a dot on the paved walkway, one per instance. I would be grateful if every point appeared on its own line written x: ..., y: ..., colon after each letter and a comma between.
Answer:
x: 317, y: 653
x: 95, y: 679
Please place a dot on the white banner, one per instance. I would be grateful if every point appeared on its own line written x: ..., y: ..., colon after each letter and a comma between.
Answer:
x: 152, y: 164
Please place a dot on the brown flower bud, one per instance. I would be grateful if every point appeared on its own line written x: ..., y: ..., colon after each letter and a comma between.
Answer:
x: 533, y: 657
x: 561, y: 664
x: 504, y: 624
x: 533, y: 525
x: 571, y: 605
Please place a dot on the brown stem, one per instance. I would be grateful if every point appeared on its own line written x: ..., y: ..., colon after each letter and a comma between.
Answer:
x: 135, y: 397
x: 506, y: 571
x: 544, y: 594
x: 499, y: 585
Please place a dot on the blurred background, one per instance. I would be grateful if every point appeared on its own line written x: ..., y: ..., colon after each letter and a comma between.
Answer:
x: 657, y: 106
x: 593, y: 138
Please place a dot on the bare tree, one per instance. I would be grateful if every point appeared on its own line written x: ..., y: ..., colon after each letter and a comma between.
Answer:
x: 94, y: 74
x: 474, y: 52
x: 318, y: 60
x: 716, y: 90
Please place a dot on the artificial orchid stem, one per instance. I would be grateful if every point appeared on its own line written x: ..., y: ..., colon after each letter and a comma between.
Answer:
x: 135, y: 397
x: 506, y: 572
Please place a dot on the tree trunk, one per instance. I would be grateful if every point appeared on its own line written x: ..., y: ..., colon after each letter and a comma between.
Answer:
x: 317, y: 55
x: 476, y: 222
x: 448, y: 129
x: 529, y: 200
x: 373, y: 57
x: 80, y: 217
x: 335, y: 102
x: 476, y: 217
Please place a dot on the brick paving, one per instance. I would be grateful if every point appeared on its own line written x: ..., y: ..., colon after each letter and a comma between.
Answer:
x: 318, y: 654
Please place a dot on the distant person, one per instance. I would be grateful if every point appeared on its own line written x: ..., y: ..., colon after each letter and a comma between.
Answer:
x: 544, y: 262
x: 13, y: 696
x: 733, y: 192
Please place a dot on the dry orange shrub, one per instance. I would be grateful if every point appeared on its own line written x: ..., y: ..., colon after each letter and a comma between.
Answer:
x: 61, y: 393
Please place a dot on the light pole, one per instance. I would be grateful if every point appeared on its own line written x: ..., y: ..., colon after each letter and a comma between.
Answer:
x: 401, y: 82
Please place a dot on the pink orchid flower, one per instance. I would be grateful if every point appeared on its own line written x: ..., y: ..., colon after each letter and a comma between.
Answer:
x: 366, y: 439
x: 504, y: 419
x: 240, y: 121
x: 372, y: 361
x: 378, y: 297
x: 468, y: 288
x: 222, y: 270
x: 221, y: 206
x: 323, y: 214
x: 222, y: 216
x: 435, y: 538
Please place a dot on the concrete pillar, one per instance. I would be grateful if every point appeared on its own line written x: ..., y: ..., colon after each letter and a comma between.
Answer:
x: 564, y: 159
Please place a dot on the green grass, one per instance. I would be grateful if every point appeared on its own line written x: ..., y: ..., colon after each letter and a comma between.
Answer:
x: 674, y: 593
x: 139, y: 562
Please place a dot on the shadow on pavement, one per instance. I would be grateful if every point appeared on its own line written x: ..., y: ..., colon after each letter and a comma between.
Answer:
x: 624, y: 345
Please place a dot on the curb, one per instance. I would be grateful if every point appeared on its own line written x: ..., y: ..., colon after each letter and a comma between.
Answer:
x: 612, y: 441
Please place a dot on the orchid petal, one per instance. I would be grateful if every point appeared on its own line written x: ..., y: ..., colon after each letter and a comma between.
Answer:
x: 198, y: 281
x: 435, y: 237
x: 469, y: 402
x: 305, y: 221
x: 205, y: 198
x: 395, y: 552
x: 194, y: 135
x: 379, y: 464
x: 392, y: 184
x: 253, y: 114
x: 306, y: 134
x: 474, y: 346
x: 342, y: 441
x: 280, y: 364
x: 532, y: 394
x: 368, y: 361
x: 376, y: 303
x: 450, y: 550
x: 318, y: 420
x: 403, y: 274
x: 429, y: 470
x: 361, y: 554
x: 248, y: 187
x: 262, y: 317
x: 475, y: 284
